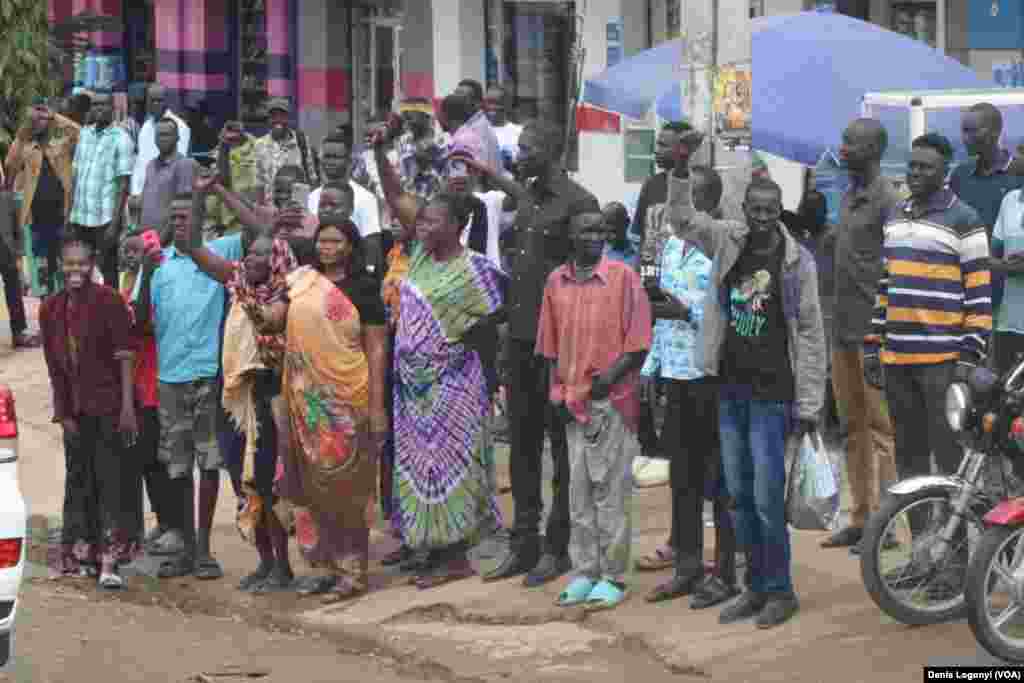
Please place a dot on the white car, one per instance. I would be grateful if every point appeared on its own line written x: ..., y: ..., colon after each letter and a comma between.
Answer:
x: 13, y: 522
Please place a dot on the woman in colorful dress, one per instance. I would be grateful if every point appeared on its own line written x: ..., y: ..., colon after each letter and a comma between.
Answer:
x: 451, y: 300
x: 334, y: 367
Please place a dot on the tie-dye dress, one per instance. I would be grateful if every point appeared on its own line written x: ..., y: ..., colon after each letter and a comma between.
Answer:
x: 444, y: 458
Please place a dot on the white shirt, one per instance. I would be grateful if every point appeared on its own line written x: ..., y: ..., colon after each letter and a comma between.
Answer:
x: 147, y: 150
x: 508, y: 140
x: 365, y: 209
x: 494, y: 201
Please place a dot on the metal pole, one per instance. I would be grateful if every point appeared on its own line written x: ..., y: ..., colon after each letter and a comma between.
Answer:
x: 712, y: 72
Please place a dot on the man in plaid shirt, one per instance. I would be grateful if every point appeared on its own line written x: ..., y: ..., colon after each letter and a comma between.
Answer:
x: 103, y: 165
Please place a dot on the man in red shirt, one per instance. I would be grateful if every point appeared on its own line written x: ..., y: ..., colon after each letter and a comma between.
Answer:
x: 595, y: 330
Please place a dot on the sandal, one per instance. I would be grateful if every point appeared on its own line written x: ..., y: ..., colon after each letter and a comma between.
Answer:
x: 252, y: 581
x: 576, y: 593
x: 343, y: 589
x: 676, y: 587
x: 397, y: 557
x: 315, y: 585
x: 111, y: 581
x: 606, y: 595
x: 170, y: 543
x: 455, y: 571
x: 208, y: 569
x: 276, y: 582
x: 176, y: 568
x: 663, y: 558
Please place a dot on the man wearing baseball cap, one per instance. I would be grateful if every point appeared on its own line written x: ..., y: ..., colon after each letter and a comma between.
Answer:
x: 283, y: 146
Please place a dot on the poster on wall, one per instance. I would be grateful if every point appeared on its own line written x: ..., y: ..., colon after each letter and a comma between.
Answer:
x: 733, y: 102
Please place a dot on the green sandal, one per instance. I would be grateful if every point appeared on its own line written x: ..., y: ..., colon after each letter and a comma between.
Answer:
x: 576, y: 593
x: 606, y: 595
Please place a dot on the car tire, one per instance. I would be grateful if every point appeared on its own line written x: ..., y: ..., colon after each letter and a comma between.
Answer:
x: 5, y: 648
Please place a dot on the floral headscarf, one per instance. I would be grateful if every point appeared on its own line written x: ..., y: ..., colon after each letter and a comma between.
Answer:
x: 244, y: 292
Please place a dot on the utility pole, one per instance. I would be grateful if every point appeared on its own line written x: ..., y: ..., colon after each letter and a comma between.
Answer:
x: 712, y: 75
x: 698, y: 46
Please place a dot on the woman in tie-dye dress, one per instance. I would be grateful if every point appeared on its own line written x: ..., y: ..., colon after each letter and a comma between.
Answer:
x: 443, y: 487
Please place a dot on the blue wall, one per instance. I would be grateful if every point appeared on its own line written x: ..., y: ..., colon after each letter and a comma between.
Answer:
x: 1005, y: 31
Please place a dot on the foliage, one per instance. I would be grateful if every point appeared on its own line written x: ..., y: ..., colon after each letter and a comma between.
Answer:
x: 26, y: 62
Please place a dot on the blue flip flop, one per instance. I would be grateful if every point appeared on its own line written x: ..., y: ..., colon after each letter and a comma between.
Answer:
x: 606, y: 595
x: 576, y: 593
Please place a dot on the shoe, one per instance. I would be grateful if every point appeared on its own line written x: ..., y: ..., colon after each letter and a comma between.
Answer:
x: 850, y: 536
x: 26, y: 340
x: 547, y: 570
x: 676, y: 587
x: 777, y: 611
x: 890, y: 543
x: 650, y: 472
x: 712, y: 591
x: 251, y: 582
x: 521, y: 558
x: 746, y: 606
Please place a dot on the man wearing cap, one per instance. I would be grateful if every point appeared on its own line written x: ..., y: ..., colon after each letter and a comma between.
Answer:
x: 156, y: 109
x: 40, y: 162
x: 283, y: 146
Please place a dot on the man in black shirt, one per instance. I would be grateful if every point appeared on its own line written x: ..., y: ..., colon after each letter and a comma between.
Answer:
x: 541, y: 245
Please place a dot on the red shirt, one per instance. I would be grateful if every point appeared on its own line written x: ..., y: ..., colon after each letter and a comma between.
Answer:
x: 145, y: 360
x: 587, y: 326
x: 83, y: 341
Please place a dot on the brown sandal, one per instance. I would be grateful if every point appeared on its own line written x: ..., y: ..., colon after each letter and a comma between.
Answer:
x: 663, y: 558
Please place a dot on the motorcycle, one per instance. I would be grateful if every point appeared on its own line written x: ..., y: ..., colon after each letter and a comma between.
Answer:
x: 916, y: 549
x: 995, y: 577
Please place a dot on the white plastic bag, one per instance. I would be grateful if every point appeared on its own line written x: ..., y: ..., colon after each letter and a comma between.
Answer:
x: 812, y: 486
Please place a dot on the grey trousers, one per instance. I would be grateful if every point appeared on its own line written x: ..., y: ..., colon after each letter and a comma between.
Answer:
x: 601, y: 456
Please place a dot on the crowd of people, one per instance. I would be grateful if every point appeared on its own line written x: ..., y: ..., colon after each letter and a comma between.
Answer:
x: 333, y: 327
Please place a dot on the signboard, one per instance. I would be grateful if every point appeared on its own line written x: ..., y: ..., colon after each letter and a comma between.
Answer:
x: 614, y: 40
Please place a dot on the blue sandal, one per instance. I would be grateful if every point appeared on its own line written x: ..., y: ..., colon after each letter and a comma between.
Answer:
x: 606, y: 595
x: 577, y: 592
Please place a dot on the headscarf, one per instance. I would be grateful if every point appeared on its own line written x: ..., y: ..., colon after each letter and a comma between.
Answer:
x: 245, y: 292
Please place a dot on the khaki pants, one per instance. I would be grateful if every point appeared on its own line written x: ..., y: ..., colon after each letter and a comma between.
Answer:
x: 870, y: 463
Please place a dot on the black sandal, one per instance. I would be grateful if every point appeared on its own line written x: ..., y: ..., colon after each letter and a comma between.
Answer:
x: 176, y: 568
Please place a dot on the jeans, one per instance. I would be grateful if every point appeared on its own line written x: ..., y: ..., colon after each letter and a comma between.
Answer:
x: 917, y: 403
x: 530, y: 416
x: 753, y: 436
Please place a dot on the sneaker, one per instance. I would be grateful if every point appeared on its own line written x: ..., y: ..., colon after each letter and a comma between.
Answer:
x: 746, y: 606
x: 650, y: 472
x: 778, y: 610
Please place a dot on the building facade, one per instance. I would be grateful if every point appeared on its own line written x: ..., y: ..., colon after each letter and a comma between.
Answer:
x: 347, y: 61
x: 979, y: 33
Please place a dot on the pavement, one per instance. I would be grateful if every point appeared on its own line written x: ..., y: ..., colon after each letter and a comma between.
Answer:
x: 471, y: 631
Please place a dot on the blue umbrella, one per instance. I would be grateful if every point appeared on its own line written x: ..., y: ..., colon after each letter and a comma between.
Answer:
x: 813, y: 68
x: 635, y: 85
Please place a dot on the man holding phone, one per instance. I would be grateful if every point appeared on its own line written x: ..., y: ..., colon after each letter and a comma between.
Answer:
x: 235, y: 164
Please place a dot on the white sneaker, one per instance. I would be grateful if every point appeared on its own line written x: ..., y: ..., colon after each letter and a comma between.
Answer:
x: 650, y: 472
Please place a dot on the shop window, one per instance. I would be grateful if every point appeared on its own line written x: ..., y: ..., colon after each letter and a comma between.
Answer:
x: 252, y: 54
x: 915, y: 19
x: 639, y: 154
x: 531, y: 51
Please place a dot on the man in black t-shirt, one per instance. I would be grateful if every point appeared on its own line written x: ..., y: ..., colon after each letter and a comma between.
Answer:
x: 767, y: 347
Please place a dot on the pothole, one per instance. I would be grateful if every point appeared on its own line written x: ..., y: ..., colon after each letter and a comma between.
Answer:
x: 553, y: 641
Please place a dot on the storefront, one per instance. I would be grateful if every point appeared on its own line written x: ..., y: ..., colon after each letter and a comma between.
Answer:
x: 228, y: 56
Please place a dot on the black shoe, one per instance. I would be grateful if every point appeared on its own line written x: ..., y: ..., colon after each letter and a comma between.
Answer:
x: 676, y: 587
x: 850, y: 536
x: 520, y: 559
x: 778, y: 610
x: 547, y: 570
x: 890, y: 543
x: 252, y: 581
x: 746, y: 606
x: 712, y: 591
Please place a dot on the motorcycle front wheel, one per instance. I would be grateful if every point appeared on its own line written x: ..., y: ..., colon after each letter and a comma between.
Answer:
x: 995, y: 600
x: 899, y: 560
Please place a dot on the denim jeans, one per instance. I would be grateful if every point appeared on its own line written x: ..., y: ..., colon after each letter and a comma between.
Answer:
x: 753, y: 442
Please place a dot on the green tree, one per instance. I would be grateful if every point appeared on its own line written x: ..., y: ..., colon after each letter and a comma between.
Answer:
x: 29, y: 66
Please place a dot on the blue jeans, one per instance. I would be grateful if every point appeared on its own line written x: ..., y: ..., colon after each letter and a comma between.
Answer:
x: 753, y: 441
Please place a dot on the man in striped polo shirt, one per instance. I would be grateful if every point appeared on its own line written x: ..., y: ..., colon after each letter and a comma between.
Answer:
x: 933, y: 313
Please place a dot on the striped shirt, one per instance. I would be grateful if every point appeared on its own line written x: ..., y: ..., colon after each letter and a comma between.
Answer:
x: 934, y: 299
